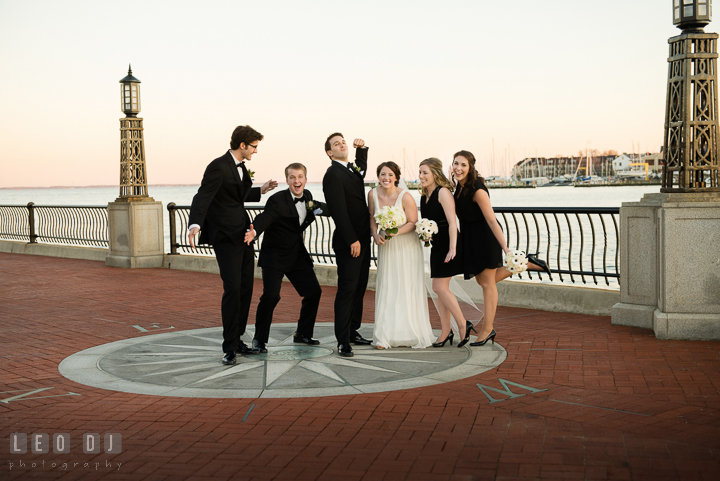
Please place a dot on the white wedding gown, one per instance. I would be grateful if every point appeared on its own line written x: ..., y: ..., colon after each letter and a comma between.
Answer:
x: 401, y: 304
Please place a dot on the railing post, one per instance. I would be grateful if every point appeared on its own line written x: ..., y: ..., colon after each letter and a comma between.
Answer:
x: 31, y: 222
x: 173, y: 228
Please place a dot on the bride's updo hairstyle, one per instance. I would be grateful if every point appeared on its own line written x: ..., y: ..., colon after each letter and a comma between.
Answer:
x: 472, y: 175
x: 392, y: 166
x: 435, y: 166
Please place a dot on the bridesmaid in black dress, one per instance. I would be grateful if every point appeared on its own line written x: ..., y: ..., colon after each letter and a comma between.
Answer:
x: 437, y: 204
x: 483, y: 239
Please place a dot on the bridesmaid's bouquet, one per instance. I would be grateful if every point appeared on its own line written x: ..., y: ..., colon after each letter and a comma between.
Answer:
x: 425, y: 229
x: 515, y: 261
x: 389, y: 218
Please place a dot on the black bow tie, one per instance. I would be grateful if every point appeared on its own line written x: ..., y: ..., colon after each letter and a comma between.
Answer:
x: 351, y: 166
x: 300, y: 199
x: 240, y: 164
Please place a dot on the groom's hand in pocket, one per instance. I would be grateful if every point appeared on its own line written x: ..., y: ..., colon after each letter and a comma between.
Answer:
x: 355, y: 249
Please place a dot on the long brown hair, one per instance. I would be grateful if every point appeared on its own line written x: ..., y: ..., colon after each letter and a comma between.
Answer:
x: 435, y: 166
x: 472, y: 176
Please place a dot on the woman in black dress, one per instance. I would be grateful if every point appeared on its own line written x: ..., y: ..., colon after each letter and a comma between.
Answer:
x: 483, y: 239
x: 437, y: 204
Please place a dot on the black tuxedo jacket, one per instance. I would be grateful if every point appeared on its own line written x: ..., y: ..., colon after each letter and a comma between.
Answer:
x: 219, y: 205
x: 345, y: 195
x: 283, y: 244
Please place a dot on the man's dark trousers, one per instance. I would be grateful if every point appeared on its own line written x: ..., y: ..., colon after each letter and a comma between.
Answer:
x: 237, y: 264
x: 303, y: 279
x: 352, y: 275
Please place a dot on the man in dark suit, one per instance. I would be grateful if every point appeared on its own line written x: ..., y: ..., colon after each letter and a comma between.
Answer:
x: 285, y: 216
x: 218, y: 213
x: 344, y: 190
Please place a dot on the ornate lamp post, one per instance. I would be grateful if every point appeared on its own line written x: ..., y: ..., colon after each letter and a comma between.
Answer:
x: 133, y: 175
x: 135, y: 219
x: 659, y: 288
x: 691, y: 124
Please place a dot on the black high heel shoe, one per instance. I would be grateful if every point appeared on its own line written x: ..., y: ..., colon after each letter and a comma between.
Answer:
x: 540, y: 263
x: 468, y: 327
x: 491, y: 336
x: 448, y: 338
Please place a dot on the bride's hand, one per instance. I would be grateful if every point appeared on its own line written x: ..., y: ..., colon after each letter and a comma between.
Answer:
x: 379, y: 240
x: 450, y: 255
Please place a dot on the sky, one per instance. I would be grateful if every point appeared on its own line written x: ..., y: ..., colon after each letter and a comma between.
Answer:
x: 528, y: 77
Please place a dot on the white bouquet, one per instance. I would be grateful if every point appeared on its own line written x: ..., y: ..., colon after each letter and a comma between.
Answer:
x: 389, y: 218
x: 425, y: 229
x: 515, y: 261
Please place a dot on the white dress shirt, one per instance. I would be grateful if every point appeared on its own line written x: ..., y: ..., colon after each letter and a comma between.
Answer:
x: 237, y: 164
x: 345, y: 164
x: 301, y: 208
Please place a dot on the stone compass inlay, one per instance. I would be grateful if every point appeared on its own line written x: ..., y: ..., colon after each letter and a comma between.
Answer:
x: 187, y: 364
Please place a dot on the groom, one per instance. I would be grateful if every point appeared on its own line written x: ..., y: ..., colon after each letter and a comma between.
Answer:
x: 344, y: 189
x: 218, y: 213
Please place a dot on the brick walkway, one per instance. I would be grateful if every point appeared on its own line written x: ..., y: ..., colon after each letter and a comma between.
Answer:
x: 617, y: 403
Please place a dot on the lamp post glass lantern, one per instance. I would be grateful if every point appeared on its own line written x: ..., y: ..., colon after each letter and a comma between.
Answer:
x: 692, y: 14
x: 130, y: 95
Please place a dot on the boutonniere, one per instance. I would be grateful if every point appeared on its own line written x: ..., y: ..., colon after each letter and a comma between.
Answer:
x: 311, y: 205
x: 357, y: 169
x: 251, y: 173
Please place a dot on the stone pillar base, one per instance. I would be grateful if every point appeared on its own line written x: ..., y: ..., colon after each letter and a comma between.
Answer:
x: 632, y: 315
x: 136, y: 234
x: 690, y: 327
x: 128, y: 262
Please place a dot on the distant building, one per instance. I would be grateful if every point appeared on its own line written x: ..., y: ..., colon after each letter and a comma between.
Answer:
x: 622, y: 162
x: 654, y: 161
x: 561, y: 166
x: 602, y: 165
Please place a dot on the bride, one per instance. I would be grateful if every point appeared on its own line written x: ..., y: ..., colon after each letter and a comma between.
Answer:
x: 401, y: 306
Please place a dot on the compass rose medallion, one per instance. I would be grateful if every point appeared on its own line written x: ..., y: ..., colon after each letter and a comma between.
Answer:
x: 187, y: 364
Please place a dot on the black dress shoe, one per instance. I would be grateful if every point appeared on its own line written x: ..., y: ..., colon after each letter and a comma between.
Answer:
x: 345, y: 350
x: 245, y: 349
x: 259, y: 345
x: 229, y: 358
x: 305, y: 340
x: 358, y: 339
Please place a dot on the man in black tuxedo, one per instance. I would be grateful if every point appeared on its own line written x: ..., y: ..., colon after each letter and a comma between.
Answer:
x: 344, y: 190
x: 286, y: 215
x: 218, y: 213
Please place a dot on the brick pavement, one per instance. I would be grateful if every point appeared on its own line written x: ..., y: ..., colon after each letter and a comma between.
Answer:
x: 616, y: 403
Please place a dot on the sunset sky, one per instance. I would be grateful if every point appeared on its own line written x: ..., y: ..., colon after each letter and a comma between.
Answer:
x: 432, y: 77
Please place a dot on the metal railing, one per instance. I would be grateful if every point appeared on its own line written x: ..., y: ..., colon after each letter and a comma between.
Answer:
x: 317, y: 237
x: 78, y: 225
x: 570, y: 240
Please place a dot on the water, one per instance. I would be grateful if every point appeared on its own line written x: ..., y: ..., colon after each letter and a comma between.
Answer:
x: 182, y: 195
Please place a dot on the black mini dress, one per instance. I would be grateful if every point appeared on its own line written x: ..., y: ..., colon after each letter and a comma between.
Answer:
x: 481, y: 248
x: 431, y: 209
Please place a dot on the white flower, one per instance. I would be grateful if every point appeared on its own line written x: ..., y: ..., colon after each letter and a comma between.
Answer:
x: 515, y: 261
